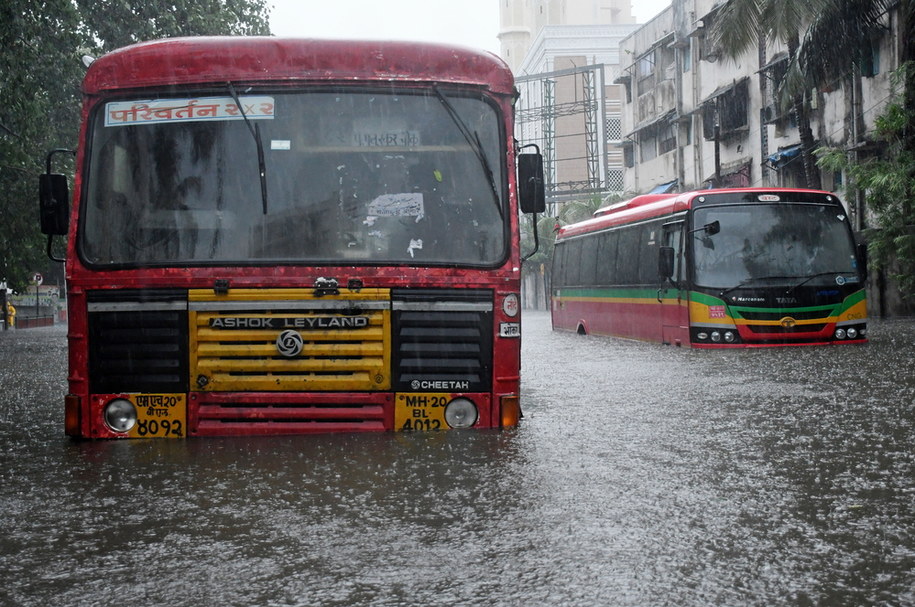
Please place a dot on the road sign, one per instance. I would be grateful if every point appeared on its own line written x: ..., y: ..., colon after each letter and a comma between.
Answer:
x: 37, y: 279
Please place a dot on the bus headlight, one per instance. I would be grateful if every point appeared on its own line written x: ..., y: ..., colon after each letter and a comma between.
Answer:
x: 716, y: 336
x: 840, y: 333
x: 852, y: 333
x: 120, y: 415
x: 729, y: 337
x: 461, y: 413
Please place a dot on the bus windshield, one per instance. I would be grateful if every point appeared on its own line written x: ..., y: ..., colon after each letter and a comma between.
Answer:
x: 351, y: 176
x: 772, y: 241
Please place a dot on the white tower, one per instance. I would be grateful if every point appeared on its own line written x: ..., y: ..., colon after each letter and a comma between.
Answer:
x: 522, y: 20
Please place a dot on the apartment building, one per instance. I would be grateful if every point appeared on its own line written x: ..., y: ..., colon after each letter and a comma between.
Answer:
x: 565, y: 56
x: 693, y: 118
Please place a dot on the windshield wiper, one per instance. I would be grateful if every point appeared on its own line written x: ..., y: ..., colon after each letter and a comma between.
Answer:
x: 812, y: 276
x: 473, y: 138
x: 256, y: 133
x: 744, y: 283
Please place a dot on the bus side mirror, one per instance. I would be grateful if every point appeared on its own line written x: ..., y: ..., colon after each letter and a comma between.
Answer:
x: 862, y: 260
x: 53, y: 203
x: 531, y: 193
x: 666, y: 263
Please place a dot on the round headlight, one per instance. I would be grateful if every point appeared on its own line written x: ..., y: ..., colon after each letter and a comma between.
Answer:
x: 852, y: 333
x: 716, y: 336
x: 729, y: 337
x: 840, y: 333
x: 461, y: 413
x: 120, y: 415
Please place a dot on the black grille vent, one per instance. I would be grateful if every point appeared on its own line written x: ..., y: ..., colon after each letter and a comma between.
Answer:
x: 442, y: 340
x: 138, y: 341
x: 786, y: 330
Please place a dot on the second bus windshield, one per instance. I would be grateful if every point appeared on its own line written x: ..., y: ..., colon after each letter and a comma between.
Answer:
x: 352, y: 177
x: 771, y: 241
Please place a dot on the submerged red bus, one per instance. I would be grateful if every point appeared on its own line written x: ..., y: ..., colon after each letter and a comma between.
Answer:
x: 289, y: 236
x: 716, y: 268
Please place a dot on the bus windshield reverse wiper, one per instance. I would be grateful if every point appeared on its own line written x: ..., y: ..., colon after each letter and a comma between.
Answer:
x: 256, y: 133
x: 473, y: 139
x: 817, y: 275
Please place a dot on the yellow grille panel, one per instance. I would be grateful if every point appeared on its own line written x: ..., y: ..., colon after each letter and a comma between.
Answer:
x: 290, y: 340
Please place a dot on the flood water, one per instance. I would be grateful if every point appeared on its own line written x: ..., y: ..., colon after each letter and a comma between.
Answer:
x: 641, y: 475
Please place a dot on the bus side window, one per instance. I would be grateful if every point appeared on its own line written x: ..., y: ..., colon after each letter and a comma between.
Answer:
x: 673, y: 238
x: 557, y: 275
x: 589, y: 260
x: 608, y: 256
x: 627, y: 260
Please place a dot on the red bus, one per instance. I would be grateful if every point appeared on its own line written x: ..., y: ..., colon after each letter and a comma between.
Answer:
x: 716, y: 268
x: 275, y: 236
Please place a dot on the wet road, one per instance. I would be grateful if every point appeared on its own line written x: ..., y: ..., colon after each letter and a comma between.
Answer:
x: 641, y: 475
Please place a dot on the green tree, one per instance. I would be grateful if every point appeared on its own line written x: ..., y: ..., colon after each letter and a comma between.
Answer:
x: 39, y: 110
x: 838, y: 41
x: 150, y: 19
x: 889, y: 183
x: 41, y: 44
x: 739, y: 26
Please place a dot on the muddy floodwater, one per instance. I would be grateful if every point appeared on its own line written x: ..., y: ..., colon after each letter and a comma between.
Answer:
x: 641, y: 475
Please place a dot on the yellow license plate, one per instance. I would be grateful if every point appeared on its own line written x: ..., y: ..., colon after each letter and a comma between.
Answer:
x: 159, y: 415
x: 420, y: 411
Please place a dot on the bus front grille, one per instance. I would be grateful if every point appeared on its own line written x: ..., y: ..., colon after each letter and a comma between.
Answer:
x: 442, y: 340
x: 756, y: 315
x: 137, y: 341
x: 289, y: 341
x: 219, y: 414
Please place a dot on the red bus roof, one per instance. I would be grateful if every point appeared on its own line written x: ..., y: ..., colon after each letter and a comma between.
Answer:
x: 632, y: 203
x: 648, y: 206
x: 657, y: 206
x: 185, y: 61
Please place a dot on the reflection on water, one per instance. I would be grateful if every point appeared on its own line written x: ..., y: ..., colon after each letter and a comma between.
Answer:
x: 641, y: 475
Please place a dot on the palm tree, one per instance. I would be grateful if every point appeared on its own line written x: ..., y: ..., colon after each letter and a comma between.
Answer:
x: 840, y: 36
x: 740, y: 26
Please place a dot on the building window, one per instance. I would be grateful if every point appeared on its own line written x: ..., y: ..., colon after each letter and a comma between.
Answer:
x: 645, y: 73
x: 870, y: 59
x: 667, y: 138
x: 648, y: 146
x: 615, y: 179
x: 729, y: 110
x: 646, y: 64
x: 614, y: 129
x: 687, y: 55
x: 686, y: 132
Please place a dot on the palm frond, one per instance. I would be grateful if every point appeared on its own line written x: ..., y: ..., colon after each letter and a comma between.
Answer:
x: 835, y: 41
x: 735, y: 27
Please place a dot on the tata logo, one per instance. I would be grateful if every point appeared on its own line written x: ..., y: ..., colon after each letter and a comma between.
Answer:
x: 787, y: 322
x: 289, y: 343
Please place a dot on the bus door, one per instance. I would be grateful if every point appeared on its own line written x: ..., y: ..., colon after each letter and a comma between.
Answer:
x: 672, y: 293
